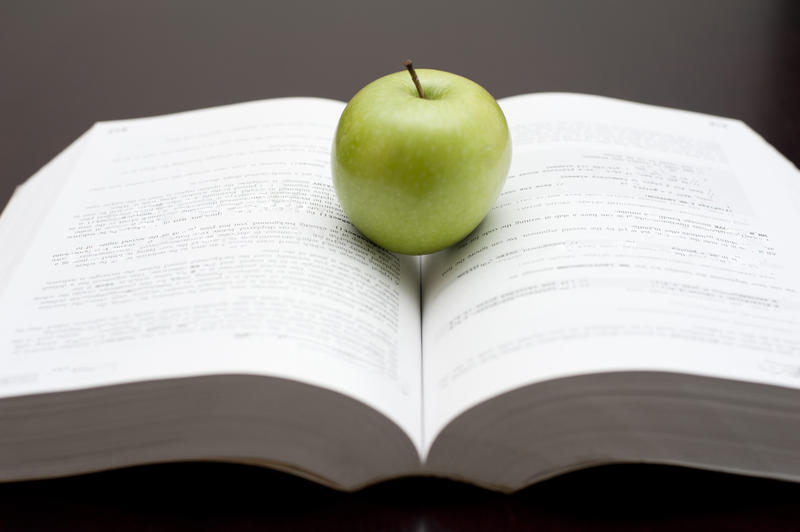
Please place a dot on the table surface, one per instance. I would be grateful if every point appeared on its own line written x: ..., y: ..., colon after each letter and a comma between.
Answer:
x: 65, y: 65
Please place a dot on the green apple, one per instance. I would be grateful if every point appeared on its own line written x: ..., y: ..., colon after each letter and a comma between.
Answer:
x: 417, y: 174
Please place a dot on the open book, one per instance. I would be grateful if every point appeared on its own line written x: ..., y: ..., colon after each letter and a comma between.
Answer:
x: 187, y: 287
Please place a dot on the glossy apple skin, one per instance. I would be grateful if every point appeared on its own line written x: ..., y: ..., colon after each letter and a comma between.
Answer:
x: 417, y: 175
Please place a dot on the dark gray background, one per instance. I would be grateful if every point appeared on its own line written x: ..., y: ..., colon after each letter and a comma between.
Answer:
x: 65, y: 65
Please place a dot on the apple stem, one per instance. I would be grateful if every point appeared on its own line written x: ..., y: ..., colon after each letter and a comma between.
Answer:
x: 410, y: 67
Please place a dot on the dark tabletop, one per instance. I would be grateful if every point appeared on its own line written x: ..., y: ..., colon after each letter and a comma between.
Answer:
x: 65, y: 65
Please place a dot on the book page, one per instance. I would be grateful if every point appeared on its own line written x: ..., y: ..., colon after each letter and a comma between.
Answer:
x: 211, y: 242
x: 627, y: 237
x: 22, y: 216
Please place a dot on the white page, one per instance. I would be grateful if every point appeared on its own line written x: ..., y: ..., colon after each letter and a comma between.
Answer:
x: 22, y: 216
x: 211, y: 242
x: 627, y: 237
